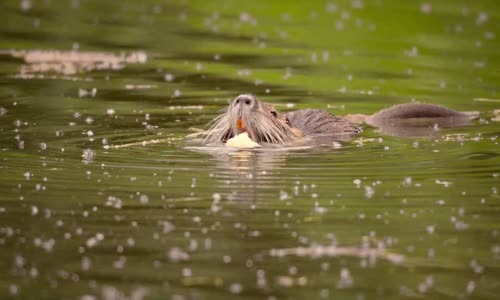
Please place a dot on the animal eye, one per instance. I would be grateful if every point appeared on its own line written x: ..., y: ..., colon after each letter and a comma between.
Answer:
x: 275, y: 114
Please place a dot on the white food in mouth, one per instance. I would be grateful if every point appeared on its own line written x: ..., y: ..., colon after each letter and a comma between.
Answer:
x: 242, y: 140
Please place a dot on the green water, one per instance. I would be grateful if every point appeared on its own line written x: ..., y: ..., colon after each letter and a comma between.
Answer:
x: 101, y: 199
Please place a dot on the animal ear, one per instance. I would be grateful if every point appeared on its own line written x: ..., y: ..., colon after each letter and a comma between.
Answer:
x: 273, y: 111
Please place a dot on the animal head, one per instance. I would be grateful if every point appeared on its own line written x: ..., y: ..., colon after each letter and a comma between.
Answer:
x: 260, y: 120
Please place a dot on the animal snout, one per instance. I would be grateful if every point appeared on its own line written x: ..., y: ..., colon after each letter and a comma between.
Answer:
x: 244, y: 100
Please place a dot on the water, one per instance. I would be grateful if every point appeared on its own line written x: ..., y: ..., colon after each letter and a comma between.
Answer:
x: 102, y: 199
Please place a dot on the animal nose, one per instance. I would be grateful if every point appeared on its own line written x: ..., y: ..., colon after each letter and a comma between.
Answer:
x: 244, y: 100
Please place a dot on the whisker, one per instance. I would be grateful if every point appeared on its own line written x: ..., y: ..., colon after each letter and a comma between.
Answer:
x: 260, y: 125
x: 219, y: 129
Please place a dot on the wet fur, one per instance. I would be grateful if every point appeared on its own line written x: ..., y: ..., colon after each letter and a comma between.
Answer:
x: 316, y: 123
x: 264, y: 124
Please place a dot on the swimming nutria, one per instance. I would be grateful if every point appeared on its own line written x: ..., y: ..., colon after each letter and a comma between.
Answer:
x: 264, y: 124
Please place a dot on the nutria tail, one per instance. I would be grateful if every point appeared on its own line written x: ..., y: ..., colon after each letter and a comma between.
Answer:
x: 415, y: 111
x: 319, y: 123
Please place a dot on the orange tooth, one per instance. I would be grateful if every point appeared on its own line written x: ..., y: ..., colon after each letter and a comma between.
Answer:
x: 240, y: 124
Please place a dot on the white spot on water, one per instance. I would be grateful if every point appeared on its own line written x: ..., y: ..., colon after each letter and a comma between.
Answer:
x: 25, y: 5
x: 443, y: 182
x: 236, y: 288
x: 244, y: 72
x: 86, y: 263
x: 331, y: 7
x: 114, y: 202
x: 176, y: 254
x: 357, y: 4
x: 369, y: 192
x: 413, y: 52
x: 482, y: 18
x: 167, y: 226
x: 13, y: 289
x: 84, y: 93
x: 88, y: 155
x: 144, y: 199
x: 357, y: 182
x: 169, y: 77
x: 426, y: 8
x: 345, y: 280
x: 471, y: 286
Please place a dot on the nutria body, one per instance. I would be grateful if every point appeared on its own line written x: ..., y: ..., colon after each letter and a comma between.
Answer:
x: 264, y: 124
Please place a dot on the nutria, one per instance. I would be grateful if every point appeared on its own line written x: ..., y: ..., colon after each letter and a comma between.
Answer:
x: 264, y: 124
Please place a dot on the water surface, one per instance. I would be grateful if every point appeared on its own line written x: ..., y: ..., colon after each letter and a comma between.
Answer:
x: 102, y: 199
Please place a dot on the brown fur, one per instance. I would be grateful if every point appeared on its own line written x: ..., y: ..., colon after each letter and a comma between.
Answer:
x: 264, y: 123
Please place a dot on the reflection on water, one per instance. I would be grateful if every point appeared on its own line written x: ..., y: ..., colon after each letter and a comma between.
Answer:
x: 103, y: 199
x: 246, y: 172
